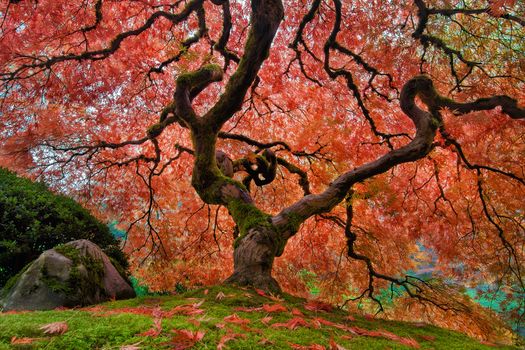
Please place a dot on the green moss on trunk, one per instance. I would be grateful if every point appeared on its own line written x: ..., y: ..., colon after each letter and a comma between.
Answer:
x: 247, y: 216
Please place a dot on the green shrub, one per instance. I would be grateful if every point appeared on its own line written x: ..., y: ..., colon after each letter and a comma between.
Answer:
x: 33, y: 219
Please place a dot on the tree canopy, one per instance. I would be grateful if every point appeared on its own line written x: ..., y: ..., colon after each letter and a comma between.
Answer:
x: 371, y: 146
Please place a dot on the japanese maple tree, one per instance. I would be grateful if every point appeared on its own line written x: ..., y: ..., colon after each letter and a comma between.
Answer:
x: 359, y: 140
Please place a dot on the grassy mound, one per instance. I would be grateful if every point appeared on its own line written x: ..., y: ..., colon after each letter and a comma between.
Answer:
x: 218, y: 318
x: 34, y: 219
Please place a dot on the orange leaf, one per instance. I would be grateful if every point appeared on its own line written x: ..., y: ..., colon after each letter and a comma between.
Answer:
x: 184, y: 339
x: 315, y: 305
x: 306, y: 347
x: 153, y: 331
x: 227, y: 337
x: 236, y: 319
x: 293, y: 323
x: 297, y: 312
x: 335, y: 346
x: 274, y: 308
x: 428, y: 337
x: 266, y: 319
x: 21, y: 341
x: 247, y: 309
x: 265, y: 341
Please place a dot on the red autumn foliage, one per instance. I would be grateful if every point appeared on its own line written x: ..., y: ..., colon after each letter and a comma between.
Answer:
x: 368, y: 139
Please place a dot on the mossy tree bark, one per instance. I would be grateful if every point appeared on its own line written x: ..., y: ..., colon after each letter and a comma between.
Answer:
x: 253, y: 259
x: 257, y: 245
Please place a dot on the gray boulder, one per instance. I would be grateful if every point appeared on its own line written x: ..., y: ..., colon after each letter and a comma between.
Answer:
x: 77, y: 273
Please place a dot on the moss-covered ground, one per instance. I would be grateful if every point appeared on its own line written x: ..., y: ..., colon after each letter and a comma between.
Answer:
x: 220, y: 318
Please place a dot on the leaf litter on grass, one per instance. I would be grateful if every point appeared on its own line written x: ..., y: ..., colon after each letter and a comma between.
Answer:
x: 195, y: 318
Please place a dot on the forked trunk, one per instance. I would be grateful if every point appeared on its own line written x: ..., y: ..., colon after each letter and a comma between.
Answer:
x: 253, y: 259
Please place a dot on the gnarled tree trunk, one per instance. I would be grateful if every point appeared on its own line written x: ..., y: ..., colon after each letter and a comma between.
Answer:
x: 253, y: 259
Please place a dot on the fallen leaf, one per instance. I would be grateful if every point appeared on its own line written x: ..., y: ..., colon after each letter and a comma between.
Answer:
x: 194, y: 322
x: 316, y: 305
x: 306, y: 347
x: 197, y: 305
x: 335, y: 346
x: 316, y: 324
x: 205, y: 292
x: 260, y: 292
x: 247, y: 309
x: 292, y: 324
x: 153, y: 331
x: 184, y: 339
x: 428, y: 337
x: 408, y: 341
x: 350, y: 318
x: 274, y: 308
x: 266, y: 319
x: 203, y: 319
x: 275, y: 298
x: 322, y: 321
x: 325, y: 322
x: 297, y: 312
x: 188, y: 310
x: 384, y: 334
x: 227, y: 337
x: 220, y: 296
x: 265, y: 341
x: 55, y: 328
x: 197, y: 335
x: 22, y: 341
x: 157, y: 312
x: 236, y: 319
x: 220, y: 325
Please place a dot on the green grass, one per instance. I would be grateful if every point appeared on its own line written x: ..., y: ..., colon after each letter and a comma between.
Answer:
x: 116, y: 324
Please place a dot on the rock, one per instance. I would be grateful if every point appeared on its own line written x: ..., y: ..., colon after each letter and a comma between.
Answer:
x: 77, y: 273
